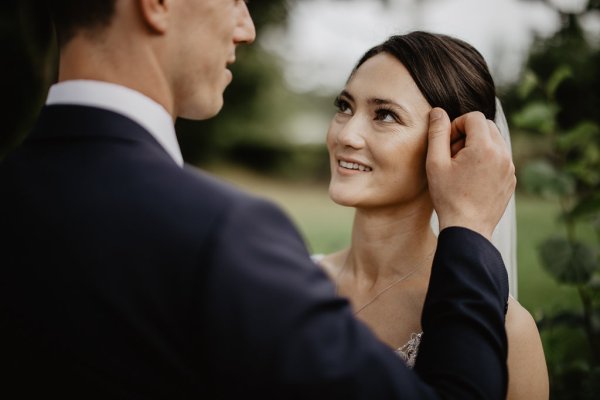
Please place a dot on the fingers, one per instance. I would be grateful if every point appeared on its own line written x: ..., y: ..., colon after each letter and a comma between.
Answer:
x: 496, y: 135
x: 474, y: 129
x: 473, y: 125
x: 456, y: 136
x: 457, y: 145
x: 468, y: 129
x: 472, y: 188
x: 439, y: 137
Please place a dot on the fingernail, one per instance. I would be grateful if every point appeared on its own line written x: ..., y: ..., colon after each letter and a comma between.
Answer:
x: 435, y: 114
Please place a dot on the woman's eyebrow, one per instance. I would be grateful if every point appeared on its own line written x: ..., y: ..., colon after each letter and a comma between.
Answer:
x: 345, y: 93
x: 406, y: 115
x: 387, y: 102
x: 381, y: 102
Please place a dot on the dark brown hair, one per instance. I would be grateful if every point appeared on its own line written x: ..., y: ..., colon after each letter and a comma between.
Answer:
x: 449, y: 72
x: 71, y: 16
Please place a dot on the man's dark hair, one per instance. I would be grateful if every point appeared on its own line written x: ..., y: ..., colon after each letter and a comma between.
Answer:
x: 70, y: 16
x: 449, y: 72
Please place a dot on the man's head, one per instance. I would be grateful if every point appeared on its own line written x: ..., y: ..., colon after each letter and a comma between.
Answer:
x: 175, y: 51
x: 72, y: 16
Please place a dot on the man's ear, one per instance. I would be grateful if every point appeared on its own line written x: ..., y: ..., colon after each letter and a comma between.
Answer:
x: 155, y: 14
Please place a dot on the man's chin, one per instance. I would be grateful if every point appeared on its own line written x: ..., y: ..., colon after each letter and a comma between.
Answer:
x: 203, y: 111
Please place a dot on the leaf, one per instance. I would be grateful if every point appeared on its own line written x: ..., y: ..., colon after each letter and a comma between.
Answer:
x: 581, y: 149
x: 583, y: 135
x: 568, y: 318
x: 571, y: 263
x: 528, y: 83
x: 558, y: 76
x: 541, y: 178
x: 594, y: 284
x: 586, y: 207
x: 536, y: 117
x: 585, y: 172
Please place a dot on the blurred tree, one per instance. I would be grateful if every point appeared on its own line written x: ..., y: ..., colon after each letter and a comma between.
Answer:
x: 27, y: 68
x: 558, y: 100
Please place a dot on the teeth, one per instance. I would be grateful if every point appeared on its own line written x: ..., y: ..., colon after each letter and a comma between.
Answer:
x: 357, y: 166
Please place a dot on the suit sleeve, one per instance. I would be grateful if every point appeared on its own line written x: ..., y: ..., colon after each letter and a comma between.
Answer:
x: 464, y: 347
x: 273, y: 326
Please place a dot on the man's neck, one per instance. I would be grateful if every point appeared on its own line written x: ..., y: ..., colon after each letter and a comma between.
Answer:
x: 135, y: 67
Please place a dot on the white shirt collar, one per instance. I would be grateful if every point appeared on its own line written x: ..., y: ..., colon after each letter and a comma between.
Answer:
x: 130, y: 103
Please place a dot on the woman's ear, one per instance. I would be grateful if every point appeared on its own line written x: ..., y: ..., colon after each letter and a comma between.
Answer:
x: 155, y: 14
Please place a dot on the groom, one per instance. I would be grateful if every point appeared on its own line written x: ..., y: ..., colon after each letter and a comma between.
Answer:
x: 126, y: 274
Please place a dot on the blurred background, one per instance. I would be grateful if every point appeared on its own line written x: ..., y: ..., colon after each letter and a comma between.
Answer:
x: 269, y: 138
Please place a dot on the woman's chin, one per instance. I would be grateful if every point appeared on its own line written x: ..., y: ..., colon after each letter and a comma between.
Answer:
x: 342, y: 198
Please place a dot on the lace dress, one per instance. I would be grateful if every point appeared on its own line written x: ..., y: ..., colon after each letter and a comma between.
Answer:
x: 409, y: 351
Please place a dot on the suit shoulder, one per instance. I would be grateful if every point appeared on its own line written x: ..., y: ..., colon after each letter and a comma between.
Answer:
x: 197, y: 191
x: 202, y: 184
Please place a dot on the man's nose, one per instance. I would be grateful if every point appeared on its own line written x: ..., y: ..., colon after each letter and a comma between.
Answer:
x: 245, y: 31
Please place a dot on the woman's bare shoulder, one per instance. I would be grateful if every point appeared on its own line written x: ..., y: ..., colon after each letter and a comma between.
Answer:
x: 526, y: 361
x: 332, y: 262
x: 518, y: 317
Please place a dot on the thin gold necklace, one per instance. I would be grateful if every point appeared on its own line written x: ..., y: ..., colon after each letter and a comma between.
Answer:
x: 385, y: 289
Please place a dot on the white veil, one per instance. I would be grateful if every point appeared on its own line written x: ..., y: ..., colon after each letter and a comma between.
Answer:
x: 505, y: 234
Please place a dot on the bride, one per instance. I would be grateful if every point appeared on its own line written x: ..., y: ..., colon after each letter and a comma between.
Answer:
x: 377, y: 144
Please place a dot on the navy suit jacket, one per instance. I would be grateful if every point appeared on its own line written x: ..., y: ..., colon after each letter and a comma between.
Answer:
x: 124, y: 276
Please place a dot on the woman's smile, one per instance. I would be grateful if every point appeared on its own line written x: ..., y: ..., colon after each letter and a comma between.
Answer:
x: 350, y: 166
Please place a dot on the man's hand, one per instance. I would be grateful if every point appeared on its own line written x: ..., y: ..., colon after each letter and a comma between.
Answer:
x: 470, y: 172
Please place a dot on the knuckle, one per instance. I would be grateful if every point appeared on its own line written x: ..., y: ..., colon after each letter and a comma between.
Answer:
x: 436, y: 132
x: 488, y: 149
x: 433, y: 165
x: 506, y: 159
x: 438, y: 128
x: 493, y: 128
x: 475, y: 115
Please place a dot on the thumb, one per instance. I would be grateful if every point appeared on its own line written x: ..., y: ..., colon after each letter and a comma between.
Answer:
x: 439, y: 136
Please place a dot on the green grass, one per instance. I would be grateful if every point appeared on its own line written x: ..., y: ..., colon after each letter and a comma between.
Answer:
x: 326, y: 227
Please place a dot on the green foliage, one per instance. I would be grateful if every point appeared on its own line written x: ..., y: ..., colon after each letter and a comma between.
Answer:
x: 537, y: 115
x: 569, y: 262
x: 542, y: 178
x: 558, y: 99
x: 587, y: 207
x: 558, y: 76
x: 27, y: 67
x: 580, y: 144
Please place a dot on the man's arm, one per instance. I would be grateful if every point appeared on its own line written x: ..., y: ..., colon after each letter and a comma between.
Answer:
x: 274, y: 326
x: 463, y: 319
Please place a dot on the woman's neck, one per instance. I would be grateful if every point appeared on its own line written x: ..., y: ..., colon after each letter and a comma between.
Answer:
x: 388, y: 243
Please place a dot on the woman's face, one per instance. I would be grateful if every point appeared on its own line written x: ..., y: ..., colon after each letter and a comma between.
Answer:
x: 378, y: 138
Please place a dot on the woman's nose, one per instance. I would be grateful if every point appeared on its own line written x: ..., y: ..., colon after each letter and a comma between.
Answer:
x: 352, y: 134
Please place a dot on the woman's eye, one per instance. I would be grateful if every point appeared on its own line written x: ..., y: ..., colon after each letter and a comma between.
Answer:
x: 342, y: 106
x: 386, y: 116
